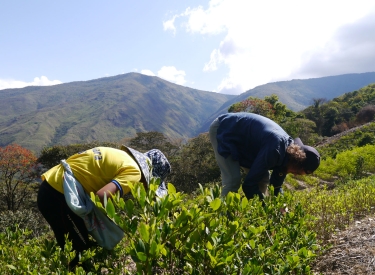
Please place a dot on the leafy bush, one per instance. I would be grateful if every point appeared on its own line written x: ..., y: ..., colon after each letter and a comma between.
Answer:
x: 205, y: 234
x: 357, y: 137
x: 336, y: 209
x: 213, y: 235
x: 21, y: 254
x: 23, y: 219
x: 348, y: 164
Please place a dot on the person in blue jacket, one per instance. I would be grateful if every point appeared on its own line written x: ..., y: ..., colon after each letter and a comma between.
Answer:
x: 257, y: 145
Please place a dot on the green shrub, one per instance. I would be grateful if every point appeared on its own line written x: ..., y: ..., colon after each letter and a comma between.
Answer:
x: 336, y: 209
x: 23, y: 219
x: 213, y: 235
x: 349, y: 164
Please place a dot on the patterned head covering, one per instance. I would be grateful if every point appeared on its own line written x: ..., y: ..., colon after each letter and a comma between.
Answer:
x: 155, y: 160
x: 160, y: 169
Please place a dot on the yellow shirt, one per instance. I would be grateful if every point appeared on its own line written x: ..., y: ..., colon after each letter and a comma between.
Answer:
x: 95, y: 168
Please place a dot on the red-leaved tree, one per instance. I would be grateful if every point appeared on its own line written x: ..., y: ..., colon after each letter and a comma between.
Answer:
x: 17, y: 173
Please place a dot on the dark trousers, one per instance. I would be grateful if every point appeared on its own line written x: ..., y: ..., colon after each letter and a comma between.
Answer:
x: 62, y: 220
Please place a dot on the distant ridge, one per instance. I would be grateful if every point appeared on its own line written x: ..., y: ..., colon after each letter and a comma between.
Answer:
x: 298, y: 94
x: 105, y: 109
x: 113, y: 108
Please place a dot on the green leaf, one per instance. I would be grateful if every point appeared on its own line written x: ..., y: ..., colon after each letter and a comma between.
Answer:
x: 144, y: 232
x: 142, y: 196
x: 141, y: 246
x: 129, y: 206
x: 229, y: 259
x: 215, y: 204
x: 110, y: 208
x: 233, y: 226
x: 154, y: 251
x: 194, y: 237
x: 252, y: 243
x: 171, y: 189
x: 244, y: 203
x: 212, y: 258
x: 11, y: 266
x: 209, y: 246
x: 141, y: 256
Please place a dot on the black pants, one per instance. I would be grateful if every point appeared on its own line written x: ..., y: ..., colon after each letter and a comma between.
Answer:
x: 62, y: 220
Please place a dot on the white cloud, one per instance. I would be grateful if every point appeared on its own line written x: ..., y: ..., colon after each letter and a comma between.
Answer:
x: 273, y: 40
x: 170, y: 73
x: 42, y: 81
x: 169, y: 24
x: 351, y: 50
x: 215, y: 59
x: 147, y: 72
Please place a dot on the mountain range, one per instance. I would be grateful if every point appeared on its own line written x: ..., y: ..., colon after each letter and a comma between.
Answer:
x: 113, y: 108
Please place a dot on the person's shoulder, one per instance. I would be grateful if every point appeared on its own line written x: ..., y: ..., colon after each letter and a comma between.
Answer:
x: 239, y: 115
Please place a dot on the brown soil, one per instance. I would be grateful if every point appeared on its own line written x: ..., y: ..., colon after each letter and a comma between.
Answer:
x: 352, y: 251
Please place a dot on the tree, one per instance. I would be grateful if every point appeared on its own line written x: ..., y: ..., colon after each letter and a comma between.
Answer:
x: 253, y: 105
x: 366, y: 114
x: 316, y: 114
x: 194, y: 164
x: 280, y: 109
x: 51, y: 156
x: 18, y: 172
x: 153, y: 140
x: 302, y: 128
x: 269, y: 107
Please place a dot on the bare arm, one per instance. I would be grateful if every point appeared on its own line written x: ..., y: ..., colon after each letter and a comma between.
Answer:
x: 109, y: 188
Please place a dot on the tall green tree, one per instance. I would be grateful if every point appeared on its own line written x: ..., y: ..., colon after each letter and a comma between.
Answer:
x: 315, y: 113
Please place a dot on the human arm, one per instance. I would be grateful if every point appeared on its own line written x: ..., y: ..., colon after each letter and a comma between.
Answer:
x: 109, y: 189
x: 258, y: 172
x: 277, y: 179
x: 256, y: 177
x: 251, y: 189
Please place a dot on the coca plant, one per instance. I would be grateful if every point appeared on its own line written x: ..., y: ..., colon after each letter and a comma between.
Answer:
x: 209, y: 234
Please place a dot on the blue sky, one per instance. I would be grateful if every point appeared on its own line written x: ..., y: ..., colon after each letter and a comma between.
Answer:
x: 226, y: 46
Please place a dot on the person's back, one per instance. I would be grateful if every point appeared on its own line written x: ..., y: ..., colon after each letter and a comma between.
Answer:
x: 244, y: 135
x: 257, y: 145
x: 95, y: 167
x: 103, y: 171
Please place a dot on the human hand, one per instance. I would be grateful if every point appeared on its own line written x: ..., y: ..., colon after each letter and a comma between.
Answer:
x: 284, y: 209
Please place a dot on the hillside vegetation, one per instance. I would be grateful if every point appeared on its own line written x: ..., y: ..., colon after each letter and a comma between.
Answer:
x: 113, y: 108
x: 106, y: 109
x: 194, y: 230
x: 298, y: 94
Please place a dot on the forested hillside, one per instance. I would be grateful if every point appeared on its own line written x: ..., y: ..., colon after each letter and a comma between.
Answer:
x: 113, y: 108
x: 106, y: 109
x: 343, y: 112
x: 299, y: 94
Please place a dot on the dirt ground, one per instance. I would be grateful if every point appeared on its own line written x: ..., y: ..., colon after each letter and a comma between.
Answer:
x: 352, y: 251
